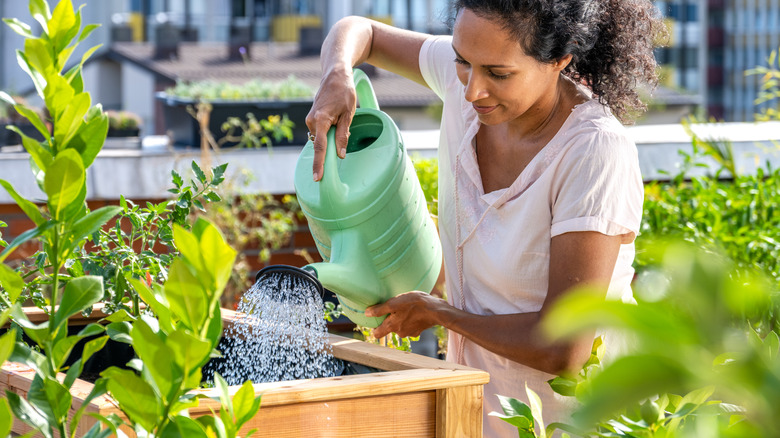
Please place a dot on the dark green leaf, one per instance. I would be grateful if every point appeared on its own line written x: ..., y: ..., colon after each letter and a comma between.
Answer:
x: 11, y: 282
x: 177, y: 179
x: 23, y: 411
x: 218, y: 174
x: 198, y: 173
x: 120, y: 332
x: 59, y: 398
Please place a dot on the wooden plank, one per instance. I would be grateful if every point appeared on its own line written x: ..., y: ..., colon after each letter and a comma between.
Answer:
x: 36, y: 315
x: 363, y: 385
x: 386, y: 358
x: 459, y: 412
x: 411, y: 415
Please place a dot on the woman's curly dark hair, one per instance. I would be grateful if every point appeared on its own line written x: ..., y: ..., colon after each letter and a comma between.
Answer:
x: 611, y: 42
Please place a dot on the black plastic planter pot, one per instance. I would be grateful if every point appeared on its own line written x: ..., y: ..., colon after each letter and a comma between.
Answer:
x: 186, y: 132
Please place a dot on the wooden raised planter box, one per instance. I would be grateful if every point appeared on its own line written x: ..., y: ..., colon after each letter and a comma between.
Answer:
x: 414, y: 396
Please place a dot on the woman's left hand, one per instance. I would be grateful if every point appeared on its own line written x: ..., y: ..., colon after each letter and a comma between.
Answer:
x: 408, y: 314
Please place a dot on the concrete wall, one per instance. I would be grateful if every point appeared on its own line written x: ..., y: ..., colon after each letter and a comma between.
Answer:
x: 141, y: 103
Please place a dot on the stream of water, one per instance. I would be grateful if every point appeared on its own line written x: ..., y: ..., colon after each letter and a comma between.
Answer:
x: 279, y: 334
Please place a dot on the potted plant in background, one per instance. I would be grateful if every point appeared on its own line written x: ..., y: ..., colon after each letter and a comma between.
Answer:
x: 124, y: 128
x: 217, y: 105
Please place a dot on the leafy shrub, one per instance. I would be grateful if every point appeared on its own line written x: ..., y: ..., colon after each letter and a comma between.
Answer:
x: 257, y: 89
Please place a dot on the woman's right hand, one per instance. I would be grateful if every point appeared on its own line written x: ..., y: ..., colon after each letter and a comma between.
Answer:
x: 334, y: 104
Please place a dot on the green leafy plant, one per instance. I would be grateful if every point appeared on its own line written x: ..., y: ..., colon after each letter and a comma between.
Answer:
x: 257, y: 89
x: 123, y: 120
x: 700, y: 330
x: 173, y: 347
x: 253, y: 224
x: 140, y: 243
x: 255, y: 133
x: 59, y: 163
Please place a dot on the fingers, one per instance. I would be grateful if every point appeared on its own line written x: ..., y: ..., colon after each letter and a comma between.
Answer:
x: 320, y: 148
x: 342, y: 134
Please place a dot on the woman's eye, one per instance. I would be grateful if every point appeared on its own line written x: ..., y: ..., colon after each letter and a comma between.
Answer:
x: 461, y: 61
x: 497, y: 76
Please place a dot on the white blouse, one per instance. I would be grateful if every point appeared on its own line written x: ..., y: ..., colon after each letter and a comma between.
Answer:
x: 497, y: 245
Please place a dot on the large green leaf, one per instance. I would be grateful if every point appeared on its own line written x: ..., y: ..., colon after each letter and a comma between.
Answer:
x: 30, y: 209
x: 245, y: 404
x: 37, y: 332
x: 135, y: 396
x: 36, y: 396
x: 90, y: 136
x: 34, y: 118
x: 189, y: 248
x: 59, y: 398
x: 79, y: 294
x: 190, y: 353
x: 25, y: 237
x: 217, y: 255
x: 62, y: 24
x: 156, y: 301
x: 58, y: 94
x: 64, y: 181
x: 71, y: 119
x: 516, y: 413
x: 92, y: 222
x: 39, y: 9
x: 23, y: 411
x: 11, y: 282
x: 6, y: 418
x: 40, y: 154
x: 181, y: 426
x: 19, y: 27
x: 39, y: 55
x: 38, y: 79
x: 62, y: 349
x: 158, y: 358
x: 185, y: 295
x: 7, y: 345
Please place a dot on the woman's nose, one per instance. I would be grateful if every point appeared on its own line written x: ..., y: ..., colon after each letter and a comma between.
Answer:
x: 475, y: 88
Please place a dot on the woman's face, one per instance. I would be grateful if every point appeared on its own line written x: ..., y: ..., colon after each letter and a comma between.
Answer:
x: 502, y: 82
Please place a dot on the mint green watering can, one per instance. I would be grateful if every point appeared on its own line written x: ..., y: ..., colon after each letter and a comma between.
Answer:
x: 368, y: 214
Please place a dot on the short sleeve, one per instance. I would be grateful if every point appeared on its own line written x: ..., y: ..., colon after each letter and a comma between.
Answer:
x: 436, y: 55
x: 599, y: 187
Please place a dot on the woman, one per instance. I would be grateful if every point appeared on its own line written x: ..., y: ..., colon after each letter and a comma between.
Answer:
x: 539, y: 185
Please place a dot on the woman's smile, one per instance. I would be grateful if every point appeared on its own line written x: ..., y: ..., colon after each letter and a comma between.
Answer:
x: 484, y: 109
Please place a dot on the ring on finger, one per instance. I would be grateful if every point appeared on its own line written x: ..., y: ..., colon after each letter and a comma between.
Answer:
x: 310, y: 135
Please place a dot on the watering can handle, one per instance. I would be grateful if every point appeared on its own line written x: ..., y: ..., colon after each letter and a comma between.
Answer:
x: 331, y: 187
x: 365, y: 92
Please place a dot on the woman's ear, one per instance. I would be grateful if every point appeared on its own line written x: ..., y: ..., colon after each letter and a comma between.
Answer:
x: 561, y: 63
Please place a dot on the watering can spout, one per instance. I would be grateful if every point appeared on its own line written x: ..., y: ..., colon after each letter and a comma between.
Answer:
x: 350, y: 276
